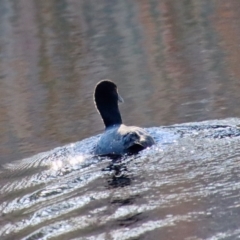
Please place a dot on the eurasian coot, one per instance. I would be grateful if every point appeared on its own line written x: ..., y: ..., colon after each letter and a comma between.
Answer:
x: 118, y: 139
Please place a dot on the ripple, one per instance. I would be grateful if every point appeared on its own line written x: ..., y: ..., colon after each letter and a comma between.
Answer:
x: 185, y: 180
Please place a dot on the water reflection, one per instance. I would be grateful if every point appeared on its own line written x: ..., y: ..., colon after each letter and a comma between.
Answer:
x: 119, y: 176
x: 174, y: 62
x: 187, y: 185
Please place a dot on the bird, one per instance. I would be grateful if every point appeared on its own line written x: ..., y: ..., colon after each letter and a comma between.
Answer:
x: 117, y: 139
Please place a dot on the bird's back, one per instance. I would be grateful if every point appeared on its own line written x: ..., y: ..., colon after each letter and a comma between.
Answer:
x: 121, y: 139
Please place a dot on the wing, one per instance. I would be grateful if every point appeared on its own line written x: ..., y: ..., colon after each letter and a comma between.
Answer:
x: 137, y: 140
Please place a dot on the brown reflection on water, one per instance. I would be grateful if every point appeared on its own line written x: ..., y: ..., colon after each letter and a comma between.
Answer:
x: 227, y: 21
x: 173, y: 62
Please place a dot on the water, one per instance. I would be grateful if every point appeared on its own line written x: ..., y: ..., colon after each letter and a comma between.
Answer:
x: 184, y: 187
x: 174, y: 62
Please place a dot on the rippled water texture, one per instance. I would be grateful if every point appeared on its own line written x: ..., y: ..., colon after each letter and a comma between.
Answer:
x: 174, y: 62
x: 185, y: 187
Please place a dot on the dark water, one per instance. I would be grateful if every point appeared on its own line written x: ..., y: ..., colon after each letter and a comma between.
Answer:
x: 174, y: 62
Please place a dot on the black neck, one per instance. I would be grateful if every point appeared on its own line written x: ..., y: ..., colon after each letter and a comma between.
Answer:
x: 110, y: 114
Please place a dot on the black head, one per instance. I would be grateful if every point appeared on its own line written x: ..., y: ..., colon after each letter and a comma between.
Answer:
x: 106, y: 98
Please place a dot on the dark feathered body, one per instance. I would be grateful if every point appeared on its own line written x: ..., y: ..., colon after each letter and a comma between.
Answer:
x: 117, y: 139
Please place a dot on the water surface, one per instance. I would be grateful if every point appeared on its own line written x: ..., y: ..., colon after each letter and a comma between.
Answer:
x: 174, y: 62
x: 185, y: 187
